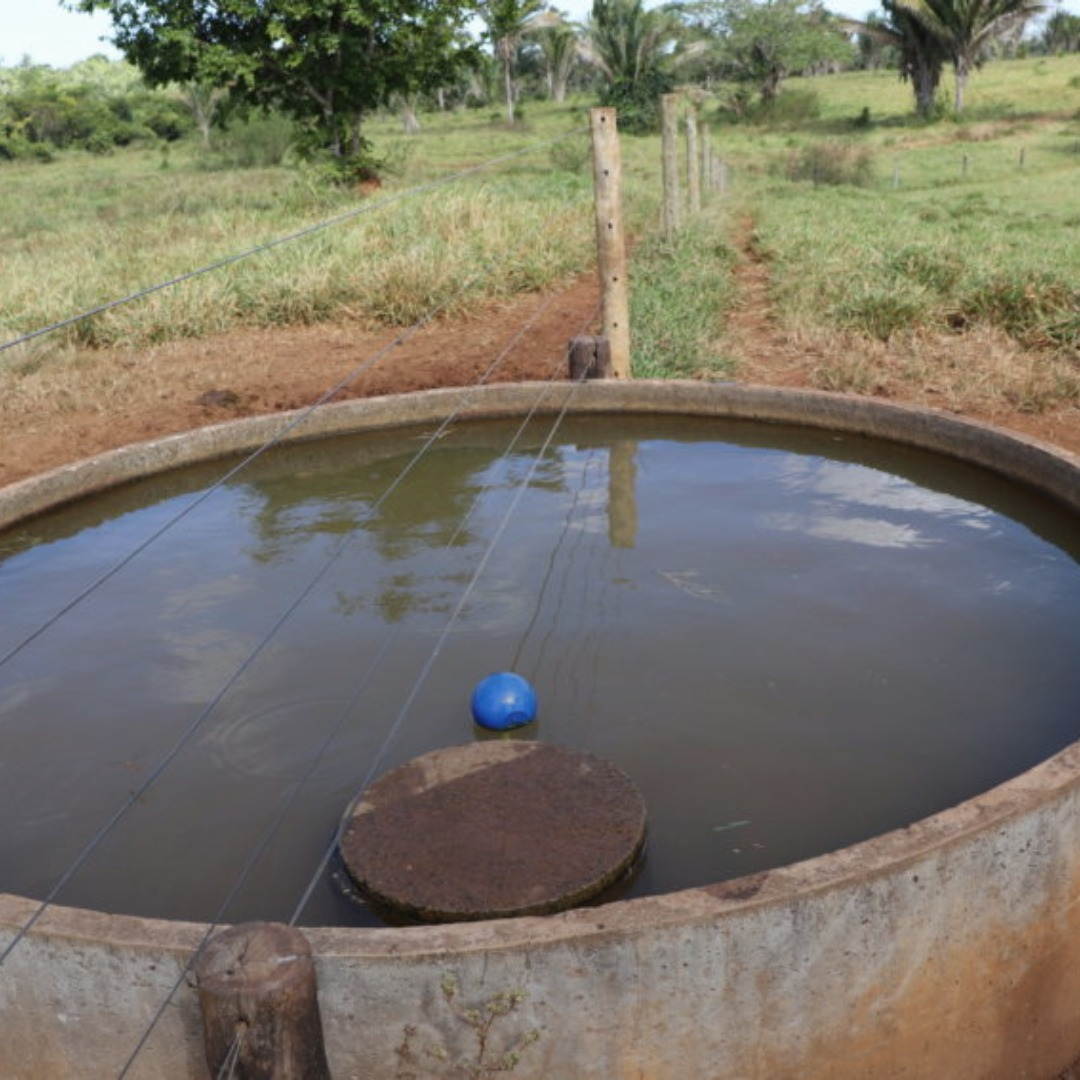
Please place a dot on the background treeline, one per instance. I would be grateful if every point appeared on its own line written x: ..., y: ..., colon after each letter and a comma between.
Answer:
x: 96, y: 105
x: 737, y: 52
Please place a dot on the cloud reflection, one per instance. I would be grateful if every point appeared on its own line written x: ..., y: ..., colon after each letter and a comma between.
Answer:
x: 834, y: 491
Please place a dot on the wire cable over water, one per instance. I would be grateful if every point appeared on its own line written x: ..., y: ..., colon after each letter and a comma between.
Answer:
x: 395, y: 727
x: 291, y: 425
x: 287, y: 428
x: 194, y: 726
x: 287, y: 804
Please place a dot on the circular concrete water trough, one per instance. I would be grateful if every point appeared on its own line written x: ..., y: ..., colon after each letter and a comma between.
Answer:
x: 950, y: 948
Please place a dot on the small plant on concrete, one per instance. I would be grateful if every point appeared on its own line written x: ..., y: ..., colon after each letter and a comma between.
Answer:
x: 481, y: 1020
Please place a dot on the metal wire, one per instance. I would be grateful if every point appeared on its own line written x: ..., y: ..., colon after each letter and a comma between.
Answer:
x: 232, y: 1058
x: 290, y: 426
x: 189, y: 732
x: 297, y: 420
x: 553, y: 557
x: 308, y: 230
x: 395, y: 727
x: 259, y: 850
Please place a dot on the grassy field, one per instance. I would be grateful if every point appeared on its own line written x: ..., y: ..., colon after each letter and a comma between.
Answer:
x: 876, y: 229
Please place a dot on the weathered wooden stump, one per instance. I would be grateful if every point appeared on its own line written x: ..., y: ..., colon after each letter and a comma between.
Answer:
x: 260, y: 1008
x: 590, y: 358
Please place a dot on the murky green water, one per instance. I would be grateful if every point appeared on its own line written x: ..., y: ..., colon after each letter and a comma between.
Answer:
x: 790, y: 640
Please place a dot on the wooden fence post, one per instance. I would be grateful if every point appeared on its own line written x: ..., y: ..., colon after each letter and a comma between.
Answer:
x: 669, y: 140
x: 259, y: 1002
x: 610, y: 238
x: 693, y: 163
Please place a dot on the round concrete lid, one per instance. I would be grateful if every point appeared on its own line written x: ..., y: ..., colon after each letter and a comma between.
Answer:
x: 493, y: 829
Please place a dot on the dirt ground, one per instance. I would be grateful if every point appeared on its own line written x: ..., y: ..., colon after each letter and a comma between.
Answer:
x: 120, y: 397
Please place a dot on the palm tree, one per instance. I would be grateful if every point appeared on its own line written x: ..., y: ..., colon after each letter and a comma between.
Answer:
x: 1062, y: 33
x: 559, y: 45
x: 964, y: 28
x: 922, y: 56
x: 507, y: 22
x: 624, y: 41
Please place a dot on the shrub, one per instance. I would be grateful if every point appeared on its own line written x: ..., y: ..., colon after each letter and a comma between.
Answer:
x: 833, y: 163
x: 790, y: 107
x: 928, y: 266
x: 880, y: 312
x: 259, y: 142
x: 1037, y: 310
x: 638, y: 101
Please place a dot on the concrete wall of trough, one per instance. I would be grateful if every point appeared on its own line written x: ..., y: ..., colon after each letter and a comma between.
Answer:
x: 949, y: 950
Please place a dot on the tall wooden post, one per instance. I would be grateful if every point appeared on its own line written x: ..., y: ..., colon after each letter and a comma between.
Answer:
x: 669, y: 147
x: 693, y: 163
x: 611, y: 240
x: 259, y: 1004
x: 708, y: 159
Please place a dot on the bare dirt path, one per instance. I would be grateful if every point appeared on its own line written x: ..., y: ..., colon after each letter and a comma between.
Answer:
x: 983, y: 375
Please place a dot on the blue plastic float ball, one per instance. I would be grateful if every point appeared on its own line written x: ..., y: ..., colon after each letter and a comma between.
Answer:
x: 503, y: 701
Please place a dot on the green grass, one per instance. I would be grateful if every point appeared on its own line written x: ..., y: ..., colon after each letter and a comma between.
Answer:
x: 680, y: 293
x: 965, y: 222
x: 939, y: 250
x: 83, y: 231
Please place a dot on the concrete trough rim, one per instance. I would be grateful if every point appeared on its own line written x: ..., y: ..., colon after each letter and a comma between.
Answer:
x: 1029, y: 461
x: 898, y: 851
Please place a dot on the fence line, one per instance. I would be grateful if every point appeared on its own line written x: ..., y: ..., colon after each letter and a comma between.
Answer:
x: 229, y: 260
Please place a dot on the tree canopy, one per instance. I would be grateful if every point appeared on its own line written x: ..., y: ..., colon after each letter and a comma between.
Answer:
x: 630, y: 47
x: 326, y: 63
x: 762, y: 42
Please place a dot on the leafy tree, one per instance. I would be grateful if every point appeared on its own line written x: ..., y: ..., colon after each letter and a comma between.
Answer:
x: 629, y: 46
x: 764, y: 43
x: 964, y: 29
x: 43, y: 109
x: 325, y: 63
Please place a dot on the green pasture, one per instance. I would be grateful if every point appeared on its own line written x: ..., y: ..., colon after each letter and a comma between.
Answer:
x: 945, y: 225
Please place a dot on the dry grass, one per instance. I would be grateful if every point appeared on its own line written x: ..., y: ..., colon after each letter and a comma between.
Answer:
x: 975, y: 372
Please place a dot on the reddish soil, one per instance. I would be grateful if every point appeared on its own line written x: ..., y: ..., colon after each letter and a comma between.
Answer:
x: 117, y: 398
